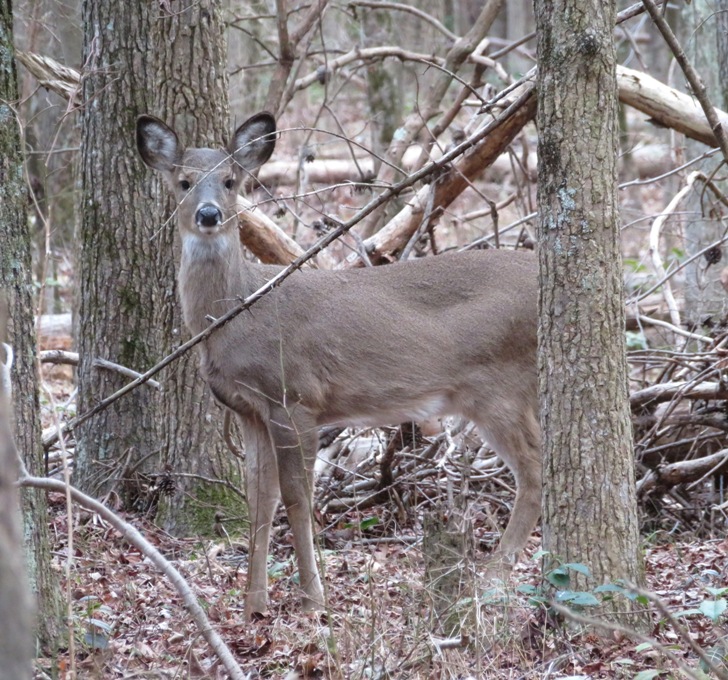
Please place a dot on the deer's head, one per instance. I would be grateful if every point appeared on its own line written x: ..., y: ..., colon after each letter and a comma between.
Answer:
x: 206, y: 182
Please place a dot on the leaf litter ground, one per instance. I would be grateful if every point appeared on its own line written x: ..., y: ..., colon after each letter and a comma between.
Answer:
x: 129, y: 621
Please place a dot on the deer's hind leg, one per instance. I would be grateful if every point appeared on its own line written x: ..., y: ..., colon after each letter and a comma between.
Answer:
x: 517, y: 441
x: 263, y: 494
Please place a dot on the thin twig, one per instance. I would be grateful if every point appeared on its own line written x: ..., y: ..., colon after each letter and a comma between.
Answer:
x: 411, y: 10
x: 629, y: 632
x: 682, y: 632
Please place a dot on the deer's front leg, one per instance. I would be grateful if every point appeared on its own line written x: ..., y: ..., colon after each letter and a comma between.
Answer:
x: 261, y: 482
x: 295, y: 437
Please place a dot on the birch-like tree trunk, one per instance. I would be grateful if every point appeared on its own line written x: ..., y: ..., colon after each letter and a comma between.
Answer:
x: 589, y: 508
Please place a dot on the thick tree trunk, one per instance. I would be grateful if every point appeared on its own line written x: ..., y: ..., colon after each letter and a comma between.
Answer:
x: 23, y: 415
x: 128, y: 303
x: 116, y: 264
x: 589, y: 510
x: 196, y: 104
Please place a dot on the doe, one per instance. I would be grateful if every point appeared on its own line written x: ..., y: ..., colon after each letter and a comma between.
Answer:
x: 447, y: 335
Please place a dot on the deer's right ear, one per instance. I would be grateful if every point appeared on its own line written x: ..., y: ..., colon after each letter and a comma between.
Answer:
x: 157, y: 143
x: 254, y: 141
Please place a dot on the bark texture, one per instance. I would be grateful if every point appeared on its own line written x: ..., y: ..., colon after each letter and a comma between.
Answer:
x: 701, y: 28
x: 22, y: 415
x: 190, y: 93
x: 169, y: 60
x: 589, y: 507
x: 117, y: 262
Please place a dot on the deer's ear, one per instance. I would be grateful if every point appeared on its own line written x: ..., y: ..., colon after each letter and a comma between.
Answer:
x: 157, y: 144
x: 254, y: 141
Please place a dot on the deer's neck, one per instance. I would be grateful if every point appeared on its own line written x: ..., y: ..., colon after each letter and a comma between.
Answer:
x: 213, y: 275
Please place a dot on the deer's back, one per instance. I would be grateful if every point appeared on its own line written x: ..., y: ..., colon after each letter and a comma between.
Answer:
x: 409, y: 336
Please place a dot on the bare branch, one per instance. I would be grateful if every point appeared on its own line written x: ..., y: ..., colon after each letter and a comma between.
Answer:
x: 654, y: 394
x: 693, y: 77
x: 287, y: 46
x: 53, y: 75
x: 666, y: 106
x: 439, y: 83
x: 629, y: 633
x: 493, y: 140
x: 365, y: 54
x: 263, y: 237
x: 682, y: 472
x: 376, y: 4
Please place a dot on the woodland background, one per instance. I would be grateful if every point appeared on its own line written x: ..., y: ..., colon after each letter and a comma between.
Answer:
x: 365, y: 94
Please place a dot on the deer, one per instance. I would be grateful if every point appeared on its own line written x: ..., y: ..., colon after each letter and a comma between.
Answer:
x: 447, y: 335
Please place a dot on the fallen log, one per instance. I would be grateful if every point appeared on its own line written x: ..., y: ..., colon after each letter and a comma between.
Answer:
x: 683, y: 472
x: 55, y: 330
x: 655, y: 394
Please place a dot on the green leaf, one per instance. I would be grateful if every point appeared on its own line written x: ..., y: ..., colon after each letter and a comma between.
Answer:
x: 575, y: 566
x: 277, y: 569
x: 713, y: 608
x: 717, y: 592
x: 585, y: 600
x: 539, y: 554
x: 577, y: 597
x: 558, y: 577
x: 95, y: 640
x: 643, y: 647
x: 624, y: 662
x: 99, y: 625
x: 368, y: 523
x: 609, y: 588
x: 688, y: 612
x: 717, y: 655
x: 526, y: 589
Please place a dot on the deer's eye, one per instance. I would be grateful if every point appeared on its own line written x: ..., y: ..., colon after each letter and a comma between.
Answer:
x: 184, y: 185
x: 229, y: 183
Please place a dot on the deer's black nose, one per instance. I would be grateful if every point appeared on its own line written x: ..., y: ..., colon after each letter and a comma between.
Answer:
x: 208, y: 216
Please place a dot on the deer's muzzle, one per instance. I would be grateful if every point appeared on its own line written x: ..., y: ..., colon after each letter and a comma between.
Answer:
x: 208, y: 217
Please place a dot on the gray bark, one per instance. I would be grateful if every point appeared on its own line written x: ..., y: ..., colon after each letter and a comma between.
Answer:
x: 21, y: 418
x: 705, y: 41
x: 589, y: 505
x: 129, y: 312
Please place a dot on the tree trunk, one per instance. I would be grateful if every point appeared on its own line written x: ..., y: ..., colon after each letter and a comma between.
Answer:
x: 23, y: 416
x: 704, y: 42
x: 116, y: 266
x: 196, y: 104
x: 128, y: 304
x: 589, y: 507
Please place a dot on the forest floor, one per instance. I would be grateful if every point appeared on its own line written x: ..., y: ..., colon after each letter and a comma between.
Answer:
x: 128, y: 620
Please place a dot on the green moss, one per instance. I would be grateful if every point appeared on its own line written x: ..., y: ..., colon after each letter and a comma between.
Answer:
x: 196, y: 515
x: 129, y: 300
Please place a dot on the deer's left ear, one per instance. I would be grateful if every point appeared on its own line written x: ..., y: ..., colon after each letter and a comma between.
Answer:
x: 157, y: 143
x: 254, y: 141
